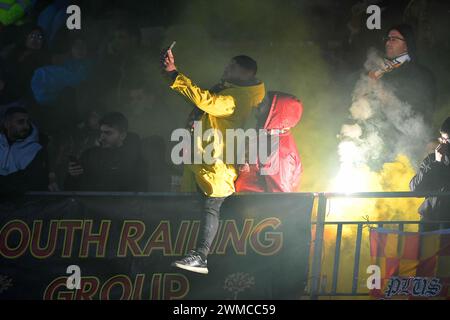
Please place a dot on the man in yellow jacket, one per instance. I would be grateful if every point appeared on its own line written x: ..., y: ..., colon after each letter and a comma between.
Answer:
x: 228, y: 106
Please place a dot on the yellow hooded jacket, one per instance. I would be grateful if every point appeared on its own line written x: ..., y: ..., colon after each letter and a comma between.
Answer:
x: 228, y: 109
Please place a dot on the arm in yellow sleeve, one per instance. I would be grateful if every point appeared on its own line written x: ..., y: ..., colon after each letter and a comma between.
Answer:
x: 215, y: 105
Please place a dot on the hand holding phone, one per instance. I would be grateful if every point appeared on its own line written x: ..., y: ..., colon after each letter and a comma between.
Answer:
x: 441, y: 151
x: 75, y: 169
x: 168, y: 60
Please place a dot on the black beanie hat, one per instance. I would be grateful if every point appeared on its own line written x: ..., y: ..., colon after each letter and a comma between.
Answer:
x: 247, y: 63
x: 407, y: 32
x: 445, y: 128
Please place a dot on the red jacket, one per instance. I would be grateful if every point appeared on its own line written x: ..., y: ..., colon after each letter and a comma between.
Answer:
x: 285, y: 112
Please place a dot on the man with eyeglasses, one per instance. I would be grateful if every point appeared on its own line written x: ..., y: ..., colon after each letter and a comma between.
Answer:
x: 410, y: 81
x: 434, y: 176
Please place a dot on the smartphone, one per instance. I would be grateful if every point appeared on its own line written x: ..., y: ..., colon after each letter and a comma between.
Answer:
x: 443, y: 148
x: 170, y: 48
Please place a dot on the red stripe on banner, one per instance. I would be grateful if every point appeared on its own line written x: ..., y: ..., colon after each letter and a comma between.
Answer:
x: 426, y: 268
x: 377, y: 243
x: 392, y: 267
x: 411, y: 245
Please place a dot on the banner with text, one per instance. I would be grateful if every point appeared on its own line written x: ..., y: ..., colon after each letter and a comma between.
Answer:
x: 122, y: 247
x: 413, y: 265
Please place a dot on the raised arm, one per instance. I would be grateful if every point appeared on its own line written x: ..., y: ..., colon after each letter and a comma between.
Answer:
x: 213, y: 104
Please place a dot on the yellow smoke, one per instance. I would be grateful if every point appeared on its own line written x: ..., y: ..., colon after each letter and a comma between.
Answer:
x: 209, y: 35
x: 394, y: 176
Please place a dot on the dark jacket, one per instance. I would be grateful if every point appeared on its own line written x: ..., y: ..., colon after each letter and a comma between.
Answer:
x: 433, y: 176
x: 20, y: 70
x: 117, y: 169
x: 415, y: 85
x: 285, y: 112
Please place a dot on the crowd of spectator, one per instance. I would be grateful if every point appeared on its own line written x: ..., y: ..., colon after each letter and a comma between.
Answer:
x: 77, y: 110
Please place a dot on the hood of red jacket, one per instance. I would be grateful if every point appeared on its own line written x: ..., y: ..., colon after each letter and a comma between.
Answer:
x: 285, y: 112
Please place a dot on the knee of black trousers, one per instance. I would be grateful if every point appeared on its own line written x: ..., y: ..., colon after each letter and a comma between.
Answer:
x: 213, y: 205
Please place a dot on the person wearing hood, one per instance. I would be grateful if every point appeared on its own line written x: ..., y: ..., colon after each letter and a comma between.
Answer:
x: 434, y: 176
x: 276, y: 115
x: 49, y: 82
x: 227, y: 106
x: 23, y: 159
x: 410, y: 81
x: 21, y: 60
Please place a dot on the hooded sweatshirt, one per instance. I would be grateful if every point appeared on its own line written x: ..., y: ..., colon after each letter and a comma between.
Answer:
x: 18, y: 155
x: 281, y: 172
x: 227, y: 109
x: 23, y: 165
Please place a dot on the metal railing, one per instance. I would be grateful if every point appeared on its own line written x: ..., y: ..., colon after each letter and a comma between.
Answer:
x: 316, y: 289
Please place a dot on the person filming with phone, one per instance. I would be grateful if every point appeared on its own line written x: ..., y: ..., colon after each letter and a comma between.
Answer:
x: 115, y: 165
x: 227, y: 106
x: 434, y: 176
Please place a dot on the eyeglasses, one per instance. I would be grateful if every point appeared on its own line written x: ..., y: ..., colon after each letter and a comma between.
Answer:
x: 36, y: 36
x: 393, y: 38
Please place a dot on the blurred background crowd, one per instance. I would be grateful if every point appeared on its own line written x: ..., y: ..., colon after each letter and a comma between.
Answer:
x: 90, y: 110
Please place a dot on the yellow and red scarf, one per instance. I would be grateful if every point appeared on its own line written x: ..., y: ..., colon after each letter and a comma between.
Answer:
x: 389, y: 65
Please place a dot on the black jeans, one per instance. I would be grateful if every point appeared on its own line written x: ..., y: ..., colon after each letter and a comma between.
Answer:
x: 209, y: 223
